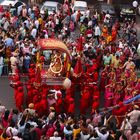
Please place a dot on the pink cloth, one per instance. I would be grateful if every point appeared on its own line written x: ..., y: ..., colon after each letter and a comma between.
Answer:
x: 108, y: 95
x: 96, y: 120
x: 116, y: 98
x: 130, y: 136
x: 127, y: 97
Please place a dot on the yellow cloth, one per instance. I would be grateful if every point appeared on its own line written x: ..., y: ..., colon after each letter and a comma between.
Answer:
x: 104, y: 32
x: 116, y: 63
x: 76, y: 132
x: 113, y: 58
x: 1, y: 138
x: 109, y: 39
x: 40, y: 20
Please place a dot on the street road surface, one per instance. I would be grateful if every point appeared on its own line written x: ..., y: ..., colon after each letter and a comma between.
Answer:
x: 6, y: 93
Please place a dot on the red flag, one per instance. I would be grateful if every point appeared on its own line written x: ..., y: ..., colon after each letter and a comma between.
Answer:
x: 78, y: 67
x: 38, y: 80
x: 80, y: 44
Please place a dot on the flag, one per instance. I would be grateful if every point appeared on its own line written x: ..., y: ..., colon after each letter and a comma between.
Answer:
x: 80, y: 44
x: 78, y: 67
x: 38, y: 80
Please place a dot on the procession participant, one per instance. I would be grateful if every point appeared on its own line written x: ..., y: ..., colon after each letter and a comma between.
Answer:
x: 78, y: 70
x: 89, y: 33
x: 59, y: 103
x: 95, y: 91
x: 44, y: 104
x: 119, y: 111
x: 112, y: 75
x: 104, y: 32
x: 137, y: 86
x: 103, y: 80
x: 30, y: 111
x: 96, y: 117
x: 20, y: 99
x: 14, y: 62
x: 95, y: 103
x: 71, y: 108
x: 107, y: 59
x: 38, y: 107
x: 117, y: 93
x: 29, y: 96
x: 69, y: 94
x: 128, y: 95
x: 51, y: 100
x: 134, y: 115
x: 95, y: 76
x: 16, y: 87
x: 128, y: 64
x: 108, y: 95
x: 132, y: 133
x: 114, y: 34
x: 97, y: 33
x: 109, y: 39
x: 84, y: 101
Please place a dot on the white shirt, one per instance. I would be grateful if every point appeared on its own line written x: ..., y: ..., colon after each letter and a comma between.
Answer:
x: 128, y: 65
x: 34, y: 124
x: 134, y: 115
x: 102, y: 136
x: 36, y: 24
x: 29, y: 11
x: 2, y: 109
x: 97, y: 31
x: 107, y: 17
x: 126, y: 125
x: 17, y: 138
x: 90, y: 23
x: 6, y: 25
x: 67, y: 132
x: 57, y: 21
x: 12, y: 130
x: 138, y: 49
x: 34, y: 33
x: 135, y: 4
x: 121, y: 45
x: 55, y: 138
x: 1, y: 61
x: 13, y: 60
x: 84, y: 137
x: 87, y: 13
x: 27, y: 23
x: 19, y: 10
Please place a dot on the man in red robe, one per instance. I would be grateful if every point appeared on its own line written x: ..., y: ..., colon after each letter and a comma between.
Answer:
x: 20, y: 99
x: 59, y: 103
x: 96, y: 91
x: 120, y: 111
x: 71, y: 108
x: 16, y: 86
x: 44, y: 104
x: 85, y: 100
x: 40, y: 105
x: 95, y: 103
x: 29, y: 96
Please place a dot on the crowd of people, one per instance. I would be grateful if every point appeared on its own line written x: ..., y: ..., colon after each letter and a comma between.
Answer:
x: 105, y: 54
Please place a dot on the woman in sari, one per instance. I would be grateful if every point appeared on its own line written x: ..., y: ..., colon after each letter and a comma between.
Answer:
x: 108, y: 95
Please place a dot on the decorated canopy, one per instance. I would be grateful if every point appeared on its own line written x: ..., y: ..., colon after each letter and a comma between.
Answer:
x: 53, y: 44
